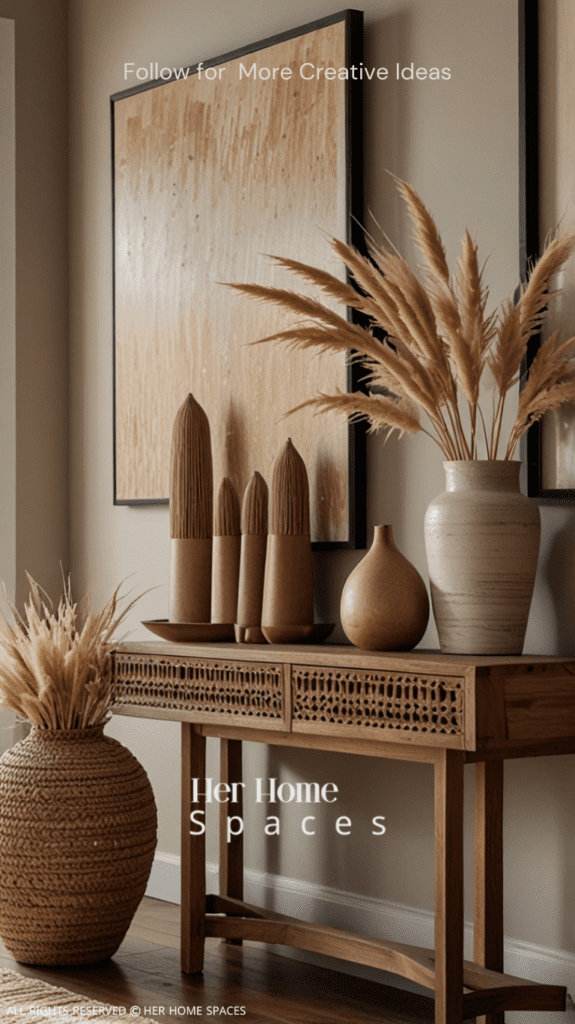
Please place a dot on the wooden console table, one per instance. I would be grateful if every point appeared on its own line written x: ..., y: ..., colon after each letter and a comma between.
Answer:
x: 416, y: 706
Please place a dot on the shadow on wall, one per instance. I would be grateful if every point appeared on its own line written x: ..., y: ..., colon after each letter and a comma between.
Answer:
x: 385, y: 845
x: 558, y: 571
x: 387, y: 118
x: 387, y: 41
x: 566, y: 895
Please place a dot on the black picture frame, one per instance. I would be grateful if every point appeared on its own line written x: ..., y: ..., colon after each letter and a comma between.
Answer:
x: 529, y: 191
x: 356, y: 432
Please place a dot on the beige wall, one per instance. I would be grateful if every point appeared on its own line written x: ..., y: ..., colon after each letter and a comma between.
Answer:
x: 8, y: 304
x: 7, y: 327
x: 38, y: 494
x: 33, y: 300
x: 457, y: 143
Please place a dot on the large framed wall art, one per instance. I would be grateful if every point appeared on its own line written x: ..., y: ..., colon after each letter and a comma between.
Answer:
x: 215, y: 166
x: 547, y: 92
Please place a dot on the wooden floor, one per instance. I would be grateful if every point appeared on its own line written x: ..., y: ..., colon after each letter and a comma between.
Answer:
x: 265, y: 988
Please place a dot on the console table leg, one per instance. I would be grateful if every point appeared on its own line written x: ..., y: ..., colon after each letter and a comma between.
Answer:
x: 488, y: 924
x: 232, y: 852
x: 448, y: 774
x: 193, y: 853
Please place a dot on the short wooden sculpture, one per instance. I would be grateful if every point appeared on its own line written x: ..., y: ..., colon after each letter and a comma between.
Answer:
x: 288, y: 584
x: 191, y: 506
x: 226, y: 555
x: 252, y: 561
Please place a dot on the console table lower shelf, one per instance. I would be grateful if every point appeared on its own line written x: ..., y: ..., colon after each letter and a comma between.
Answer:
x: 444, y: 711
x: 484, y: 991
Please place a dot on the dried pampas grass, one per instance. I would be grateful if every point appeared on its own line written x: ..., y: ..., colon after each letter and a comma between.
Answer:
x: 56, y: 667
x: 439, y: 338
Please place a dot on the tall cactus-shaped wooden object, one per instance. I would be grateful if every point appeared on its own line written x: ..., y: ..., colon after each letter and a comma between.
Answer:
x: 226, y: 555
x: 252, y: 561
x: 288, y: 584
x: 191, y: 511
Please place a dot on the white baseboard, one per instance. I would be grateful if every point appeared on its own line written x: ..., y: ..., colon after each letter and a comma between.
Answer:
x: 378, y: 918
x: 164, y: 880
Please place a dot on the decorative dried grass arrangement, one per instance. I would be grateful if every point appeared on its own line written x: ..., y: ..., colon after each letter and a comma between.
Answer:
x: 55, y: 668
x: 440, y: 339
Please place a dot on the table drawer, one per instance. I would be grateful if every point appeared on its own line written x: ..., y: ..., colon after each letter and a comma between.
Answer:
x: 388, y: 705
x: 525, y: 703
x: 202, y: 689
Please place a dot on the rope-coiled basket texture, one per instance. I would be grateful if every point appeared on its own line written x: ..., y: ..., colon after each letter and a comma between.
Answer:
x: 78, y: 831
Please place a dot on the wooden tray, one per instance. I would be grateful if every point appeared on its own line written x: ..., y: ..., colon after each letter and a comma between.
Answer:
x: 313, y: 633
x: 190, y: 632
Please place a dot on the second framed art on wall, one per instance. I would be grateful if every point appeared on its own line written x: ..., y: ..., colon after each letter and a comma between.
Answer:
x: 548, y: 188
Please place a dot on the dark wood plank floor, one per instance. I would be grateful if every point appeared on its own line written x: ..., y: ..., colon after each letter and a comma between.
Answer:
x: 264, y: 987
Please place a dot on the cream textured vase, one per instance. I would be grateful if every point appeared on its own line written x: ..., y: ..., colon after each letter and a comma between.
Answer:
x: 384, y: 603
x: 482, y: 540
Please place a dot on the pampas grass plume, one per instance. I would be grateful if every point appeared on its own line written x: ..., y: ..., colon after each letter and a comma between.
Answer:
x: 438, y: 338
x: 56, y: 666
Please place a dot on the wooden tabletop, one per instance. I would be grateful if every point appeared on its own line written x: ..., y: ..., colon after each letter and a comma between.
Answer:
x: 340, y: 654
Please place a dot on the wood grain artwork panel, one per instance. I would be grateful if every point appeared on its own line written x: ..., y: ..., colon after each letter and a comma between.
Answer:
x: 211, y: 175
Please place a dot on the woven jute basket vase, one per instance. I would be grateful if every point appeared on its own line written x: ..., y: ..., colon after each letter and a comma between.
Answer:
x: 77, y: 838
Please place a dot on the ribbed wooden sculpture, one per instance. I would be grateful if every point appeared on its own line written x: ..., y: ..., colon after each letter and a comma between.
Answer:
x: 288, y: 584
x: 226, y: 554
x: 77, y: 841
x: 191, y: 506
x: 252, y: 561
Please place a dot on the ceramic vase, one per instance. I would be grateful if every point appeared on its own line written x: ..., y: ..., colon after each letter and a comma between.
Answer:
x: 384, y: 603
x: 77, y: 841
x: 482, y: 540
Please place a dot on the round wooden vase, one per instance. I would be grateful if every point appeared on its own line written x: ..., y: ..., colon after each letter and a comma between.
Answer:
x: 384, y: 603
x: 77, y: 841
x: 482, y: 540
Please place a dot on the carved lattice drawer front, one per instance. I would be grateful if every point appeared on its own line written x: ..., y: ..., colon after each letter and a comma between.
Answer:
x: 394, y: 706
x: 211, y: 690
